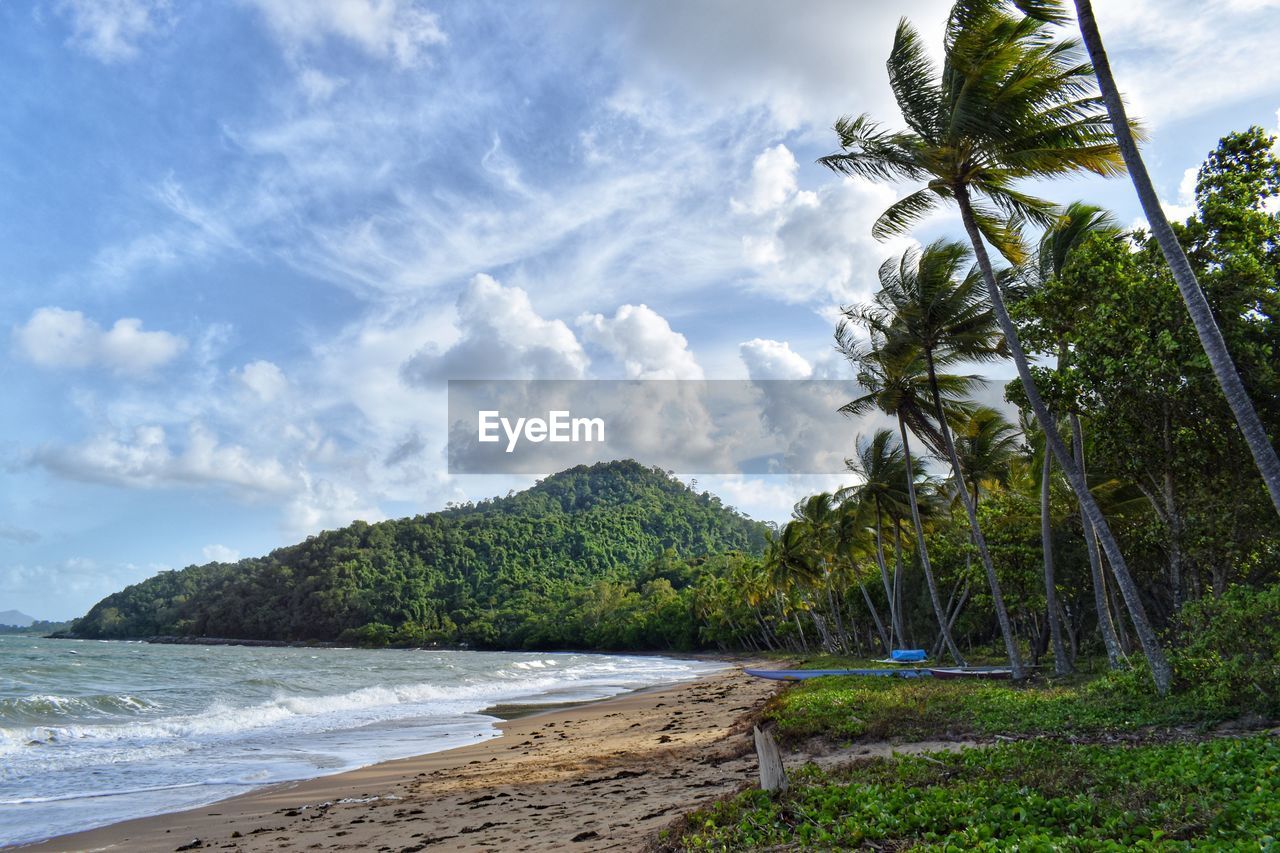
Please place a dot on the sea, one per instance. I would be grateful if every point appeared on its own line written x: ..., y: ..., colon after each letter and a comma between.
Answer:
x: 95, y: 732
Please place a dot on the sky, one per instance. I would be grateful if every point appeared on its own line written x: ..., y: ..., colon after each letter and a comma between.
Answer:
x: 243, y: 244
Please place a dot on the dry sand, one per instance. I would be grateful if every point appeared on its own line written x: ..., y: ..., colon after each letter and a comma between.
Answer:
x: 604, y: 776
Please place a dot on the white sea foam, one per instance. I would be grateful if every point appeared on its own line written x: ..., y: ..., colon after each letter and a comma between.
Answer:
x: 176, y: 726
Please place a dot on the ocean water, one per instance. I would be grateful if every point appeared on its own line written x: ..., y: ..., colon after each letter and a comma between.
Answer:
x: 95, y: 732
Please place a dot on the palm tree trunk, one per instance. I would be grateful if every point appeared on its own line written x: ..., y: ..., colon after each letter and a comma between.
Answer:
x: 875, y: 617
x: 1161, y: 672
x: 895, y: 614
x: 1061, y: 663
x: 841, y: 638
x: 1264, y: 454
x: 903, y: 642
x: 1105, y: 626
x: 971, y: 510
x: 938, y: 610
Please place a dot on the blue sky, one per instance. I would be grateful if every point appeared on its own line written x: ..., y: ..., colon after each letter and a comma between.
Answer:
x: 242, y: 243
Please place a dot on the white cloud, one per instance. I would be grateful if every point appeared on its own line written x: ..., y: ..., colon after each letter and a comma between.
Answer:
x: 1175, y: 58
x: 265, y: 379
x: 1185, y: 206
x: 56, y: 338
x: 817, y: 246
x: 773, y: 181
x: 324, y: 505
x: 110, y: 30
x: 501, y: 336
x: 220, y: 554
x: 388, y: 29
x: 145, y: 459
x: 317, y: 85
x: 807, y: 64
x: 768, y: 359
x: 643, y: 341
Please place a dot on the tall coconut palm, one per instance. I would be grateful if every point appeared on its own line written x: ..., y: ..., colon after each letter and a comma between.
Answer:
x: 1215, y: 347
x: 897, y: 384
x: 1011, y: 102
x: 883, y: 491
x: 927, y: 304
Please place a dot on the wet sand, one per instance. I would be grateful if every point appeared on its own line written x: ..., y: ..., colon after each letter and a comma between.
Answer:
x: 604, y: 776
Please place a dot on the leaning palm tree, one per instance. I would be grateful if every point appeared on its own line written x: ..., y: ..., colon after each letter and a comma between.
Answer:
x: 819, y: 515
x: 928, y: 304
x: 883, y: 470
x: 1215, y: 347
x: 897, y: 384
x: 853, y: 534
x: 1011, y: 102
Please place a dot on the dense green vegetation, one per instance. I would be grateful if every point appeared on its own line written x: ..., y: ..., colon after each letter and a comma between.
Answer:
x: 1129, y: 518
x: 612, y: 556
x: 1032, y: 795
x: 1227, y: 667
x: 1098, y: 529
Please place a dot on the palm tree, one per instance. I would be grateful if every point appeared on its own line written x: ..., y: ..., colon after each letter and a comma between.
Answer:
x: 819, y: 517
x: 896, y: 384
x: 925, y: 305
x: 1215, y: 347
x: 853, y: 530
x: 1061, y: 663
x: 880, y: 464
x: 1011, y: 102
x: 1078, y: 221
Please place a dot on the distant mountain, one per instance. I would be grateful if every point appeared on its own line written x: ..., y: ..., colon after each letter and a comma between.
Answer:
x: 540, y: 568
x: 16, y: 619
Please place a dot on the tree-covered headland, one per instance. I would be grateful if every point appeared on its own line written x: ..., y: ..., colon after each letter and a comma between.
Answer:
x: 612, y: 556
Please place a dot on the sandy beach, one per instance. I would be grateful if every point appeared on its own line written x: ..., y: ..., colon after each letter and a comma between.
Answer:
x: 603, y: 776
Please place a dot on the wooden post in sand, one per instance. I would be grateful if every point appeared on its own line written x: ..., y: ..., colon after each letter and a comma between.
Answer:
x: 773, y: 777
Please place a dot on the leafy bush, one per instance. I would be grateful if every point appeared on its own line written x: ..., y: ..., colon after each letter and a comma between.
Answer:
x: 1228, y: 651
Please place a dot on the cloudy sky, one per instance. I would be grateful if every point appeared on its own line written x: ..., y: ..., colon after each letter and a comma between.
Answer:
x: 243, y: 244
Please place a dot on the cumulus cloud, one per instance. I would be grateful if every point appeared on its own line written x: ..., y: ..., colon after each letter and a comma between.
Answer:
x: 263, y: 379
x: 768, y: 359
x: 58, y: 338
x: 323, y: 505
x: 386, y: 29
x: 816, y: 246
x: 110, y: 30
x: 501, y: 336
x: 145, y: 459
x: 643, y: 341
x: 773, y: 182
x: 220, y: 554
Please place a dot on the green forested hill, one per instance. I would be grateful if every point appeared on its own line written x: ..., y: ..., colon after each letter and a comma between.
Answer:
x: 591, y: 557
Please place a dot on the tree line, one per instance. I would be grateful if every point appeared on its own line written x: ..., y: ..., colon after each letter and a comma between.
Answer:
x: 1145, y: 444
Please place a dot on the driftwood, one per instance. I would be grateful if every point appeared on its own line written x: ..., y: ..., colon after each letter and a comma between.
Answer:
x: 773, y: 777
